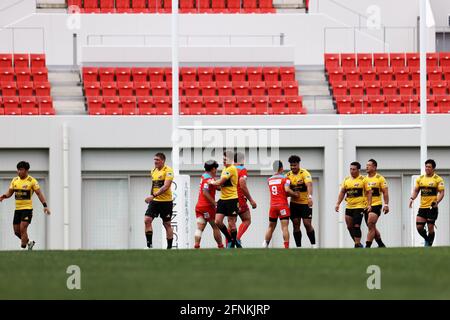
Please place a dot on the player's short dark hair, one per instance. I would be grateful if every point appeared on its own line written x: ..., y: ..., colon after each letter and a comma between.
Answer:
x: 277, y: 165
x: 229, y: 154
x: 161, y: 155
x: 432, y: 162
x: 373, y: 162
x: 211, y: 164
x: 294, y: 159
x: 356, y: 164
x: 239, y: 157
x: 23, y: 165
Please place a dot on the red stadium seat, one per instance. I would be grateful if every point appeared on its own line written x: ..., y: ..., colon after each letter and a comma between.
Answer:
x: 183, y: 107
x: 402, y: 74
x: 332, y: 60
x: 37, y: 60
x: 397, y: 60
x: 377, y: 103
x: 90, y: 74
x: 123, y: 4
x: 128, y: 106
x: 139, y: 74
x: 92, y: 89
x: 159, y: 89
x: 356, y: 89
x: 186, y: 4
x: 222, y: 74
x: 344, y: 105
x: 205, y: 74
x: 23, y: 75
x: 191, y: 89
x: 336, y: 76
x: 21, y: 60
x: 95, y: 106
x: 257, y: 88
x: 290, y: 88
x: 413, y: 60
x: 241, y: 88
x: 261, y: 105
x: 11, y: 106
x: 274, y: 88
x: 107, y: 74
x: 30, y: 110
x: 9, y: 88
x: 234, y: 5
x: 42, y: 89
x: 238, y: 74
x: 411, y: 104
x: 163, y: 105
x: 39, y: 74
x: 224, y: 89
x: 439, y: 88
x: 146, y: 106
x: 390, y: 88
x: 156, y: 74
x: 218, y: 5
x: 112, y: 106
x: 6, y: 60
x: 7, y: 75
x: 213, y: 106
x: 195, y: 105
x: 125, y: 89
x: 361, y: 105
x: 364, y: 59
x: 381, y: 60
x: 203, y: 5
x: 142, y: 89
x: 348, y: 60
x: 443, y: 103
x: 435, y: 74
x: 395, y: 105
x: 385, y: 73
x: 26, y: 89
x: 107, y: 6
x: 373, y: 89
x: 168, y: 75
x: 91, y: 4
x: 369, y: 75
x: 352, y: 74
x: 109, y: 89
x: 29, y: 102
x: 45, y: 105
x: 271, y: 74
x: 188, y: 74
x: 287, y: 73
x: 230, y: 106
x: 432, y: 59
x: 249, y: 4
x: 245, y: 105
x: 340, y: 89
x: 444, y: 59
x: 208, y: 89
x: 278, y: 105
x: 406, y: 89
x: 123, y: 74
x: 431, y: 105
x: 295, y: 105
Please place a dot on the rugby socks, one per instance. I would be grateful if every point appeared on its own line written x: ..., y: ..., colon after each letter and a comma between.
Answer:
x: 233, y: 236
x: 149, y: 236
x: 225, y: 232
x: 312, y: 237
x: 368, y: 244
x: 242, y: 228
x: 423, y: 233
x: 351, y: 233
x: 220, y: 246
x: 169, y: 243
x: 286, y: 244
x: 197, y: 246
x: 431, y: 236
x: 298, y: 238
x: 380, y: 243
x: 18, y: 235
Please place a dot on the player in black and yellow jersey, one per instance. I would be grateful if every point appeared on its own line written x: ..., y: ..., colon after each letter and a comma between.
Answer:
x: 358, y: 197
x: 23, y: 186
x: 160, y: 202
x: 379, y: 187
x: 301, y: 207
x: 432, y: 190
x: 227, y: 206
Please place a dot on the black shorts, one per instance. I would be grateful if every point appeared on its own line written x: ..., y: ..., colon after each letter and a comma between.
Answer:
x: 228, y: 207
x: 356, y: 214
x: 429, y: 214
x: 163, y: 209
x: 375, y: 209
x: 300, y: 211
x: 23, y: 216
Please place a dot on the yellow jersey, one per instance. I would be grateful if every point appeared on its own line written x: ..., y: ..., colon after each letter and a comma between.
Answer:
x: 229, y: 188
x: 23, y: 191
x: 377, y: 183
x: 356, y: 192
x: 298, y: 183
x: 158, y: 178
x: 429, y: 187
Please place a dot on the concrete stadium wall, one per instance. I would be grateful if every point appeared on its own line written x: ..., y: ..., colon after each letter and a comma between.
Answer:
x: 116, y: 147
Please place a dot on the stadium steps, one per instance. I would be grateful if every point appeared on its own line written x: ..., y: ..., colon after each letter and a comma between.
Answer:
x: 67, y: 92
x: 289, y: 4
x: 313, y: 88
x: 51, y: 4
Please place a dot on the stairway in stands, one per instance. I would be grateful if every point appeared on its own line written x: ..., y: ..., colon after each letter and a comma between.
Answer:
x: 67, y: 92
x: 314, y: 90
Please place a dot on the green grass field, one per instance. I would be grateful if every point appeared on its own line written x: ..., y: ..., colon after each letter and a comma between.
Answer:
x: 415, y: 273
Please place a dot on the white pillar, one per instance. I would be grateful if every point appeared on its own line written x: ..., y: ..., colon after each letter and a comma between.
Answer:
x: 423, y: 85
x: 66, y: 194
x: 175, y: 93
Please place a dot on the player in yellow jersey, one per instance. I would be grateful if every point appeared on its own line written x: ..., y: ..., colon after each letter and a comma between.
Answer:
x: 301, y: 207
x: 358, y: 196
x: 227, y: 206
x: 23, y: 186
x: 379, y: 187
x: 160, y: 202
x: 432, y: 190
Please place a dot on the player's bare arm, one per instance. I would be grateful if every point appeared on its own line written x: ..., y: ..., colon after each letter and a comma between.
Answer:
x: 414, y: 195
x: 440, y: 196
x: 7, y: 195
x: 164, y: 188
x: 309, y: 187
x: 369, y: 200
x: 386, y: 200
x: 243, y: 185
x: 41, y: 197
x: 290, y: 193
x: 219, y: 182
x: 340, y: 199
x: 209, y: 198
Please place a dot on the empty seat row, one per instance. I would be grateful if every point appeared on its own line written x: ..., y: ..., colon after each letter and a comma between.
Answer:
x: 391, y: 104
x: 37, y: 74
x: 189, y: 74
x: 22, y: 60
x: 165, y: 6
x: 25, y: 89
x: 26, y: 106
x: 195, y: 106
x: 277, y: 88
x: 384, y: 59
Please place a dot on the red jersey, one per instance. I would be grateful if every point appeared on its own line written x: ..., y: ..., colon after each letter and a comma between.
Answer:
x: 202, y: 201
x: 278, y: 196
x: 242, y: 173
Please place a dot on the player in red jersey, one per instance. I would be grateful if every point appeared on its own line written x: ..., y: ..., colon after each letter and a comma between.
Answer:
x: 243, y: 196
x: 279, y: 206
x: 205, y: 210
